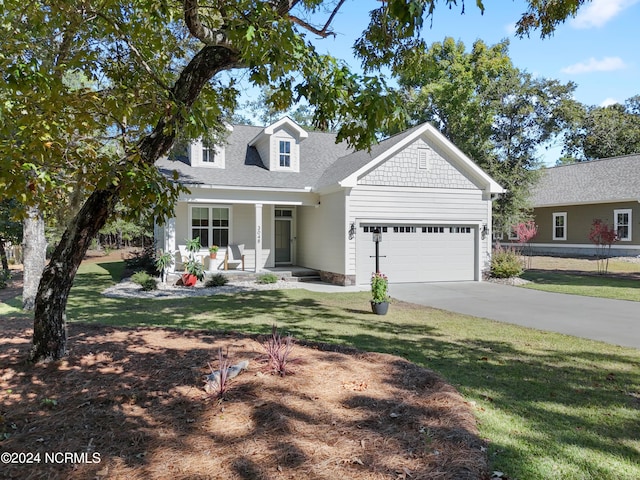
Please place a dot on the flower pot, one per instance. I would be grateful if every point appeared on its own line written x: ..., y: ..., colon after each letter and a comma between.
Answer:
x: 189, y: 280
x: 213, y: 256
x: 379, y: 308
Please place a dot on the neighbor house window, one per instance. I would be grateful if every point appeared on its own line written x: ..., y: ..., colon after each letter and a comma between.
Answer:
x: 560, y: 226
x: 211, y: 225
x: 208, y: 153
x: 285, y: 153
x: 623, y: 224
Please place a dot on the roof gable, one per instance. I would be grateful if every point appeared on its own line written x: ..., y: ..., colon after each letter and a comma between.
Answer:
x: 349, y: 171
x: 284, y: 123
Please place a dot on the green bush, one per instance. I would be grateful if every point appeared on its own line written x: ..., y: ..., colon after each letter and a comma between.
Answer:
x: 140, y: 277
x: 146, y: 281
x: 149, y: 284
x: 217, y: 280
x: 505, y: 263
x: 267, y: 278
x: 143, y: 260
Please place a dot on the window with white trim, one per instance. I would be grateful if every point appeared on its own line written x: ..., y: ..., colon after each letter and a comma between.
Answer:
x: 211, y: 225
x: 622, y: 224
x: 208, y: 153
x: 560, y: 226
x: 285, y: 153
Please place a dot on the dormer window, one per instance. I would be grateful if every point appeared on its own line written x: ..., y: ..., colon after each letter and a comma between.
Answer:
x: 285, y: 153
x: 279, y: 145
x: 208, y: 153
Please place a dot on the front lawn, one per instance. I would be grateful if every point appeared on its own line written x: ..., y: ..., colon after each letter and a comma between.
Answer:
x: 587, y: 285
x: 551, y: 406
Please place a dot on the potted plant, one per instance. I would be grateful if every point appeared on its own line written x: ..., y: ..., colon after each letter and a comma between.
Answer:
x: 379, y: 293
x: 213, y: 251
x: 194, y: 269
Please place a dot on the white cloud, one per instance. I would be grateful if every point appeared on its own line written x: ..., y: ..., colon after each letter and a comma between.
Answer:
x: 510, y: 28
x: 608, y: 101
x: 599, y: 12
x: 607, y: 64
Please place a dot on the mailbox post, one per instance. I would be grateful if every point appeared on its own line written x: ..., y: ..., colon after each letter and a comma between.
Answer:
x: 377, y: 238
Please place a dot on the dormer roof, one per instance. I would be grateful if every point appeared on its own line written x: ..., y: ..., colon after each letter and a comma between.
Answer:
x: 284, y: 123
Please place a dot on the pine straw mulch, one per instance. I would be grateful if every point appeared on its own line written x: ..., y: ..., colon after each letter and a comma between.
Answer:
x: 134, y: 400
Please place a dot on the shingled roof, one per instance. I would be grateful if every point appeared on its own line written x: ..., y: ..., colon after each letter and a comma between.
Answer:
x: 615, y: 179
x: 244, y: 167
x: 323, y: 162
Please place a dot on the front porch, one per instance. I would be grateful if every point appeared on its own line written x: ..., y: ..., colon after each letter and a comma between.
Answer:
x: 287, y: 274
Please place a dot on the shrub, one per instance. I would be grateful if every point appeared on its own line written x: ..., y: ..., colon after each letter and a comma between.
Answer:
x: 267, y: 278
x: 140, y: 277
x: 150, y: 284
x: 142, y: 260
x: 505, y: 263
x: 278, y: 351
x: 217, y: 280
x: 145, y: 280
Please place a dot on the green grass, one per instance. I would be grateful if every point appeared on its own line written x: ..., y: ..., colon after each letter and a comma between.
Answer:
x: 552, y: 406
x: 587, y: 285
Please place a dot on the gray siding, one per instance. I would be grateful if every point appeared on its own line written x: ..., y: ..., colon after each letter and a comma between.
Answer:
x: 405, y: 169
x: 419, y: 206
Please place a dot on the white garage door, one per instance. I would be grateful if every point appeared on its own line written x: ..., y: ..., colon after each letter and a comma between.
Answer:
x: 417, y: 253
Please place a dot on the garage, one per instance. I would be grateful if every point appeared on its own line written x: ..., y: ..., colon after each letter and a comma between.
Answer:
x: 418, y: 253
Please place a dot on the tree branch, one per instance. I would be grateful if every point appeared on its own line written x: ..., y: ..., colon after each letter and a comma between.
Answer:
x: 208, y: 36
x: 134, y: 50
x: 324, y: 31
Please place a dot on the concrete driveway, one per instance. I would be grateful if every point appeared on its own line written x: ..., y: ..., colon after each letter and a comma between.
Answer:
x: 612, y: 321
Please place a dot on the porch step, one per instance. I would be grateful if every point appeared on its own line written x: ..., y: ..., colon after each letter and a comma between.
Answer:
x: 297, y: 274
x: 304, y: 278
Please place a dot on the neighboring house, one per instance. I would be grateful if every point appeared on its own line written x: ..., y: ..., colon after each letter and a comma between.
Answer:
x: 568, y: 199
x: 293, y: 197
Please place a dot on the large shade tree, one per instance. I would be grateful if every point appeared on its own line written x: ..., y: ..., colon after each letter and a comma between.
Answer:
x: 601, y: 132
x: 497, y: 114
x: 156, y: 71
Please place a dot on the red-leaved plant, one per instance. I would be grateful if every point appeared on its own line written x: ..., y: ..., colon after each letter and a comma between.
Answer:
x: 526, y: 231
x: 278, y: 350
x: 602, y: 235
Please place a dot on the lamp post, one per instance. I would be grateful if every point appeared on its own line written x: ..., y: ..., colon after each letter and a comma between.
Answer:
x: 377, y: 238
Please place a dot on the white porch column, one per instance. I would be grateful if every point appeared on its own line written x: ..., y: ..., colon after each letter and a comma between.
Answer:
x: 170, y: 240
x: 259, y: 234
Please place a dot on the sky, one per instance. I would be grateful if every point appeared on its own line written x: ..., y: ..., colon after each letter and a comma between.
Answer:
x: 598, y: 50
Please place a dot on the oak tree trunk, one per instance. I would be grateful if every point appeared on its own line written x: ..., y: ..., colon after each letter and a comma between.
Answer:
x: 49, y: 330
x: 34, y: 256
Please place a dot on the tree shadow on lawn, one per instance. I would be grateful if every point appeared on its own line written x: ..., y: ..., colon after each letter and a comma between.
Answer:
x: 556, y: 394
x: 134, y: 397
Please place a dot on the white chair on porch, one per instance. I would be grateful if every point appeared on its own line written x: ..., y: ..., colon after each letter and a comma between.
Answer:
x: 234, y: 256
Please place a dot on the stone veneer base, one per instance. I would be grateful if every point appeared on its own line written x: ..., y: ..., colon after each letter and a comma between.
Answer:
x: 338, y: 278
